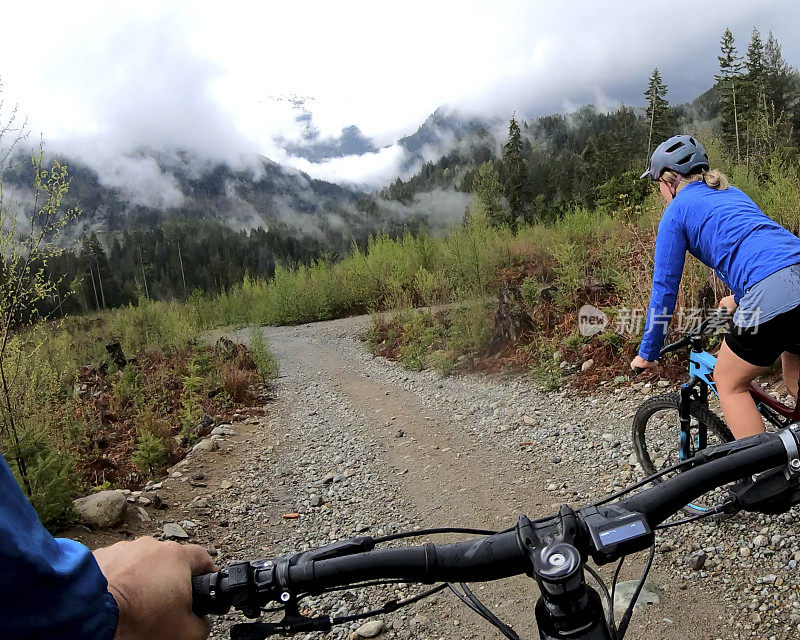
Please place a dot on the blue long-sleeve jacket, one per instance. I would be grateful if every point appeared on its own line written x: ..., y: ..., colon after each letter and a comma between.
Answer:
x: 50, y: 589
x: 726, y: 231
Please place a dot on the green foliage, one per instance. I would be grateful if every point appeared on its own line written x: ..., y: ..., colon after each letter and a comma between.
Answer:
x: 150, y: 455
x: 657, y: 112
x: 129, y: 386
x: 546, y: 369
x: 487, y: 195
x: 266, y: 365
x: 531, y: 290
x: 418, y: 335
x: 191, y: 410
x: 515, y: 176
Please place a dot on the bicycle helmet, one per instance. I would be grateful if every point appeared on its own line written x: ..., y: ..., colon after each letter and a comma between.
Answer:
x: 680, y: 153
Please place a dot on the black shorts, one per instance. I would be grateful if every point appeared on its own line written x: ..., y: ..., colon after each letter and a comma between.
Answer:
x: 763, y: 344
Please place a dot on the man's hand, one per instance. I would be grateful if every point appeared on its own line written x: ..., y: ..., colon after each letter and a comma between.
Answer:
x: 152, y: 584
x: 728, y: 303
x: 640, y: 363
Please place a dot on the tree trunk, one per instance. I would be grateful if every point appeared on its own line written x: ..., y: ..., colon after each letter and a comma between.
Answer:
x: 510, y: 320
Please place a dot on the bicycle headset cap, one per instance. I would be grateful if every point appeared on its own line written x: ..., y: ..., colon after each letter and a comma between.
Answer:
x: 680, y: 153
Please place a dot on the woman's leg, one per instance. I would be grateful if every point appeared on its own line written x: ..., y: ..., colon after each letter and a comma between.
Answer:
x: 733, y: 375
x: 791, y: 371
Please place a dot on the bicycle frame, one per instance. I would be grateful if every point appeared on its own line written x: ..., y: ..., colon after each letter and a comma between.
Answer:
x: 701, y: 372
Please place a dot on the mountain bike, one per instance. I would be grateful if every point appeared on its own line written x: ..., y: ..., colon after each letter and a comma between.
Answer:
x: 673, y: 427
x: 553, y: 550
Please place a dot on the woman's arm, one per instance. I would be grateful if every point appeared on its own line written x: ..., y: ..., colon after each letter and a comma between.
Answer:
x: 669, y: 260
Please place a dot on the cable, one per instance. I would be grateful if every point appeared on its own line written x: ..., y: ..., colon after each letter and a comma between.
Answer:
x: 626, y: 618
x: 606, y: 597
x: 359, y: 585
x: 472, y: 601
x: 390, y: 606
x: 711, y: 512
x: 643, y: 482
x: 612, y: 624
x: 438, y: 530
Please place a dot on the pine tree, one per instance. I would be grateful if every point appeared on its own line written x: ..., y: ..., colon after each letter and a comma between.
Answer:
x: 657, y: 110
x: 755, y: 100
x: 487, y: 194
x: 777, y: 76
x: 730, y: 79
x: 515, y: 174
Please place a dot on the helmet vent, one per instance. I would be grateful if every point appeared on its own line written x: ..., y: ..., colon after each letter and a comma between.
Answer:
x: 685, y: 159
x: 694, y: 144
x: 674, y: 147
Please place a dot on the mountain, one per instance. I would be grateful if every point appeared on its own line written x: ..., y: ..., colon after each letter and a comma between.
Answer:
x: 315, y: 149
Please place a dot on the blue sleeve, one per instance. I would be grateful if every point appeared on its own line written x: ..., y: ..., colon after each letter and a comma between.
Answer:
x: 49, y: 588
x: 670, y: 257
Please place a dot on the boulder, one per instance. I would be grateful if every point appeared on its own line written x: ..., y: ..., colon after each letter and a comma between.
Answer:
x: 102, y: 510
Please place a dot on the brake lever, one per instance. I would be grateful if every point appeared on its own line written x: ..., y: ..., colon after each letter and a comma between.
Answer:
x: 293, y: 622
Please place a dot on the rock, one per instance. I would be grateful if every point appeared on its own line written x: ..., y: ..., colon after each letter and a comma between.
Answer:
x: 697, y: 560
x: 315, y: 500
x: 529, y: 420
x: 328, y: 478
x: 222, y: 431
x: 205, y: 445
x: 744, y: 552
x: 400, y: 433
x: 225, y: 484
x: 370, y: 629
x: 349, y: 473
x: 650, y: 594
x: 760, y: 541
x: 101, y: 510
x: 587, y: 365
x: 142, y: 514
x: 144, y: 501
x: 663, y: 384
x: 198, y: 503
x: 212, y: 551
x: 556, y: 459
x: 175, y: 531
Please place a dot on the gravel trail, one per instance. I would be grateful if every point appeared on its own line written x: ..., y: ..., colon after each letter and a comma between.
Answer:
x: 357, y: 444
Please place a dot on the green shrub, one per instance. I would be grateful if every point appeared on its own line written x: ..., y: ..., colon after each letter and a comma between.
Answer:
x: 150, y: 455
x: 129, y: 387
x: 266, y: 364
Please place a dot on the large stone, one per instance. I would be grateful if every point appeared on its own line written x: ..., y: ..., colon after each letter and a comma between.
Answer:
x: 102, y: 510
x: 206, y: 445
x: 370, y: 629
x: 650, y: 594
x: 175, y: 531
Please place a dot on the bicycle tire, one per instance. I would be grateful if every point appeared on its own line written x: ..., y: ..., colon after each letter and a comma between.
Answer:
x: 670, y: 402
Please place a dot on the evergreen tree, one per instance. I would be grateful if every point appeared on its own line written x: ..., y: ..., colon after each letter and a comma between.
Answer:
x: 730, y: 79
x: 487, y: 194
x: 778, y: 78
x: 657, y: 110
x: 515, y: 174
x: 755, y: 104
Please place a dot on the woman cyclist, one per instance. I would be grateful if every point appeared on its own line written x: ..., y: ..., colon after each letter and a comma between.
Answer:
x: 754, y: 256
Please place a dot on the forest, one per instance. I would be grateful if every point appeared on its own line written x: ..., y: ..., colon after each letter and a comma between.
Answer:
x: 544, y: 168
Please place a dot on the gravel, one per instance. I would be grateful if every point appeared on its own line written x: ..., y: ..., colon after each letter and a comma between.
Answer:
x: 315, y: 459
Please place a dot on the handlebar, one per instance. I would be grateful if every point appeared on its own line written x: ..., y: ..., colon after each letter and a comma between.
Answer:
x: 605, y: 532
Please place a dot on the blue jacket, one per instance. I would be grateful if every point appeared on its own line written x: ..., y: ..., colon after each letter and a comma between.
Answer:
x: 50, y: 589
x: 726, y: 231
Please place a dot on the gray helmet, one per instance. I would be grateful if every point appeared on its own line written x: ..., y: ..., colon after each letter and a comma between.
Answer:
x: 680, y: 153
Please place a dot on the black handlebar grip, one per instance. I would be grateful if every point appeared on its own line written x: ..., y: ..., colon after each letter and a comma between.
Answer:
x: 206, y: 595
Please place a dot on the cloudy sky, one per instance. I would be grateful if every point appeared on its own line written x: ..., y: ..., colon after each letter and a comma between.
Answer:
x: 100, y: 79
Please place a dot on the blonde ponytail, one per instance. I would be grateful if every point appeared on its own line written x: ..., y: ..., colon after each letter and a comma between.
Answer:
x: 716, y: 180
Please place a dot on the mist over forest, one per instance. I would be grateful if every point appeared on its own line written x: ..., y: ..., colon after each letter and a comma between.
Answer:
x: 163, y: 222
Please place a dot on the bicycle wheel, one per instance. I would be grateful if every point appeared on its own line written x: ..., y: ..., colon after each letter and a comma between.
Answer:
x: 656, y: 440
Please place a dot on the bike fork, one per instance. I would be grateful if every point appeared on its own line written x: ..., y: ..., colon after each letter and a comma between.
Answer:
x: 685, y: 423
